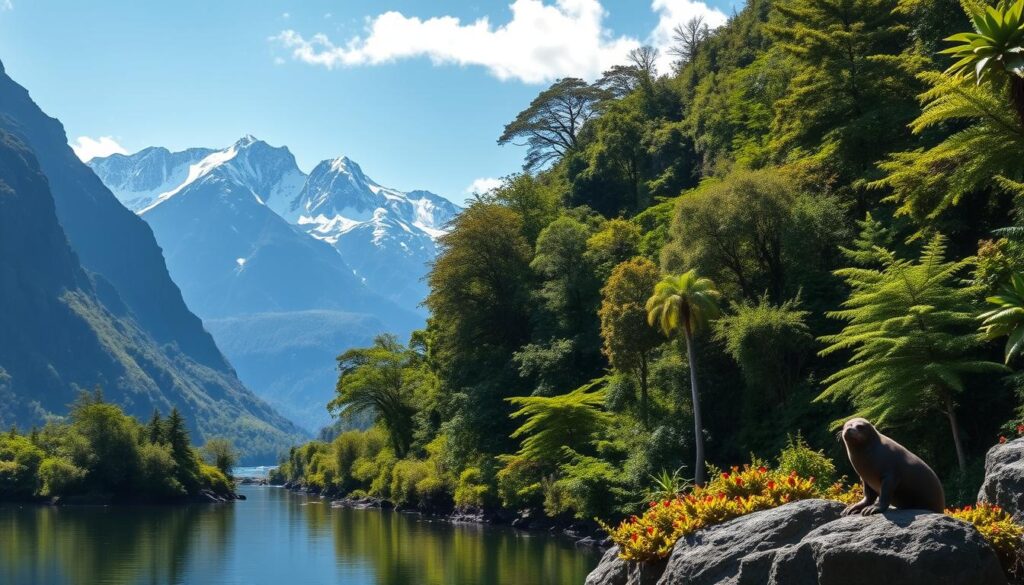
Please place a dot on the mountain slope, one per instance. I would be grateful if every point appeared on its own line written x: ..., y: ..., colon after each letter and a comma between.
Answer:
x: 137, y: 180
x: 159, y: 355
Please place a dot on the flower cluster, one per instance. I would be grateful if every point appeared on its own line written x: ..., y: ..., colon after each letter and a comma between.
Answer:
x: 1020, y: 433
x: 728, y: 495
x: 998, y: 528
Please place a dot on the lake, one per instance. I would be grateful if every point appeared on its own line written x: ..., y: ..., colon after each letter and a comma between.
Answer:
x: 275, y: 537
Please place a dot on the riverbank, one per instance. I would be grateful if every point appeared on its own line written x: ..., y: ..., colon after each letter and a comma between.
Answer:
x: 581, y: 534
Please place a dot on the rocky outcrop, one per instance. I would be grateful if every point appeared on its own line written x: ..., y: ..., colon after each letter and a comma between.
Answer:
x: 1004, y: 478
x: 807, y: 543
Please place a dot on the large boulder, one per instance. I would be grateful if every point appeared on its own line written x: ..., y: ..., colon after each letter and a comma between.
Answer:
x: 740, y: 551
x: 1004, y: 478
x: 807, y: 543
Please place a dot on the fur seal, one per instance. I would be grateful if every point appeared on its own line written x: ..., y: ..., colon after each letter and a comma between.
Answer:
x: 889, y: 472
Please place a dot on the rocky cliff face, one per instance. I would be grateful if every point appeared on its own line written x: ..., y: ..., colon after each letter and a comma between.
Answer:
x: 87, y: 300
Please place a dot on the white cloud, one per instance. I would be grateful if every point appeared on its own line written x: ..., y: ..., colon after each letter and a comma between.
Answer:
x: 484, y: 185
x: 541, y: 42
x: 286, y: 15
x: 89, y: 148
x: 674, y: 12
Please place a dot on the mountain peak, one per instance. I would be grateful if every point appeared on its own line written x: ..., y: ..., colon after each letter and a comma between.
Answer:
x: 247, y: 140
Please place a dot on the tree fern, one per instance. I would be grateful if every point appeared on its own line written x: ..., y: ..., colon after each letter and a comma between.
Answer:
x: 909, y: 328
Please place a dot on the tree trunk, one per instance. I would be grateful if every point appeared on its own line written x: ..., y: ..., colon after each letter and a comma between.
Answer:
x: 961, y: 458
x: 698, y: 425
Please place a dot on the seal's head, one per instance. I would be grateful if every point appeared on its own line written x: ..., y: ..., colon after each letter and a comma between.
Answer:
x: 858, y: 432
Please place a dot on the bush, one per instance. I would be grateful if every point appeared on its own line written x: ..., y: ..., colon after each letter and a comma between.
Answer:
x: 472, y: 491
x: 405, y: 476
x: 998, y: 528
x: 59, y: 476
x: 157, y: 470
x: 728, y: 495
x: 800, y: 459
x: 213, y: 479
x: 587, y: 487
x: 19, y: 464
x: 519, y: 483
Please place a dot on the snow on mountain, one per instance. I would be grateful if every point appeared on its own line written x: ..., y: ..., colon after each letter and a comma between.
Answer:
x: 137, y: 179
x: 387, y: 236
x: 254, y: 243
x: 147, y: 178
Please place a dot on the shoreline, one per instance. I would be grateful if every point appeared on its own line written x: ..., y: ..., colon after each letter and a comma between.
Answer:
x: 581, y: 534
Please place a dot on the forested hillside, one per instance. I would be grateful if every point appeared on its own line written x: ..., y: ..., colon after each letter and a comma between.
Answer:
x: 810, y: 218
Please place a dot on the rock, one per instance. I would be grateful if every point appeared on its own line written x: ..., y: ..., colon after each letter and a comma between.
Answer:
x: 908, y: 547
x: 1004, y: 478
x: 720, y: 553
x: 807, y: 543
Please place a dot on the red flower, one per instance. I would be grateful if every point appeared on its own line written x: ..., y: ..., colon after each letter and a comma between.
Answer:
x: 1020, y: 429
x: 635, y: 536
x: 650, y: 530
x: 791, y: 481
x: 652, y: 504
x: 1002, y: 439
x: 764, y: 469
x: 725, y: 476
x: 666, y: 503
x: 771, y: 484
x: 739, y: 481
x: 633, y: 519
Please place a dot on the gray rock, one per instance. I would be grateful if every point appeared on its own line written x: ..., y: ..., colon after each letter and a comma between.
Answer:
x: 722, y: 553
x: 1004, y: 478
x: 905, y: 547
x: 807, y: 543
x: 614, y: 571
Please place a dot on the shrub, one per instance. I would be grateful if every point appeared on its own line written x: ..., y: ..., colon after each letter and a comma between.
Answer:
x: 728, y: 495
x: 59, y: 476
x: 157, y: 470
x: 19, y: 464
x: 998, y: 528
x: 587, y: 486
x: 472, y: 491
x: 799, y: 458
x: 214, y: 480
x: 405, y: 476
x: 519, y: 483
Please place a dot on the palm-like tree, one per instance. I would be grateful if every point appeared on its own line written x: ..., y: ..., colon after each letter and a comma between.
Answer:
x: 995, y: 51
x: 1007, y: 319
x: 685, y: 303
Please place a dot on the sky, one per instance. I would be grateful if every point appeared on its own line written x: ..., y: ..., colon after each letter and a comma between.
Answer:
x: 417, y: 92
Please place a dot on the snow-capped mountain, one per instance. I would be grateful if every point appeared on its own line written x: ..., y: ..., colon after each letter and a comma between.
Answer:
x: 386, y: 235
x: 140, y: 178
x: 254, y: 243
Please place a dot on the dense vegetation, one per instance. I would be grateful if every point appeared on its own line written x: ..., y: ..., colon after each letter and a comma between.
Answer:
x: 100, y: 454
x: 798, y: 224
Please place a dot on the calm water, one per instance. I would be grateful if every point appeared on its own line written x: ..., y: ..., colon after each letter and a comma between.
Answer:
x: 274, y: 538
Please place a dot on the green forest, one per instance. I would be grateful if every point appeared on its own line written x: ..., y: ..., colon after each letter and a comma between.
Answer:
x: 815, y: 215
x: 99, y: 454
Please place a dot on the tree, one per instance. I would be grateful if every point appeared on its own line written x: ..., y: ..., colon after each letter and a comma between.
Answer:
x: 384, y: 379
x: 558, y: 422
x: 549, y: 127
x: 615, y: 242
x: 910, y: 328
x: 155, y: 428
x: 850, y: 97
x: 1007, y: 319
x: 176, y: 435
x: 687, y: 38
x: 995, y: 51
x: 686, y: 303
x: 628, y: 339
x: 221, y: 453
x: 752, y: 233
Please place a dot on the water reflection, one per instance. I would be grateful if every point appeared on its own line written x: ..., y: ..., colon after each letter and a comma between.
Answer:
x: 274, y: 537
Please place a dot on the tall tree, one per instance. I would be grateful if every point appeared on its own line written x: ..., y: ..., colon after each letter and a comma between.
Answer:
x: 910, y: 327
x: 384, y: 379
x: 687, y: 38
x: 685, y: 304
x: 549, y: 127
x: 628, y: 339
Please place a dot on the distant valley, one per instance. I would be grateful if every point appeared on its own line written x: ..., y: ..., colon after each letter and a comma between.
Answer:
x: 285, y: 269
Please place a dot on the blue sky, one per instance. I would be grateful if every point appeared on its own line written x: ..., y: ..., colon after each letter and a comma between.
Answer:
x: 416, y: 92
